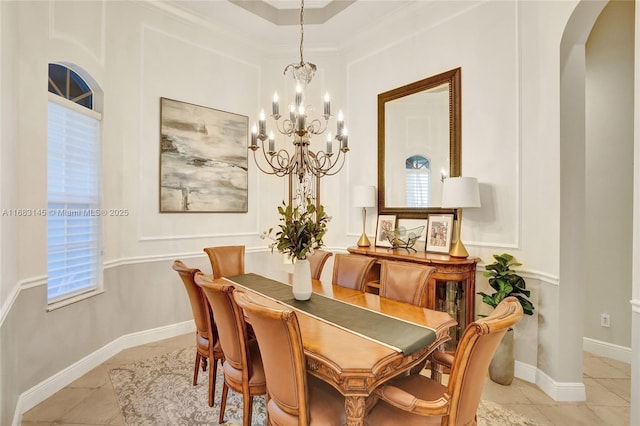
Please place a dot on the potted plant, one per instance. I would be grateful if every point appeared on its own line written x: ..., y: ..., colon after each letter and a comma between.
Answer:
x: 506, y: 282
x: 300, y: 233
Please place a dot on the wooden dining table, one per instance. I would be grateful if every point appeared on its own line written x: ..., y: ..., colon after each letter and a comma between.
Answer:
x: 353, y: 362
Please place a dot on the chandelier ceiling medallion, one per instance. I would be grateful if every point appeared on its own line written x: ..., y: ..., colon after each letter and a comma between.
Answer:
x: 300, y: 126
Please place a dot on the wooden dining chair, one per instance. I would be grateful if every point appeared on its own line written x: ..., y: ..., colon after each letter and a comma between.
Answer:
x: 242, y: 367
x: 226, y: 261
x: 419, y: 400
x: 207, y: 342
x: 405, y: 281
x: 351, y: 270
x: 317, y: 261
x: 295, y: 397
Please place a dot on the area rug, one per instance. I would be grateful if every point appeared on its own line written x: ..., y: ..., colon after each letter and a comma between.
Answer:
x: 158, y: 392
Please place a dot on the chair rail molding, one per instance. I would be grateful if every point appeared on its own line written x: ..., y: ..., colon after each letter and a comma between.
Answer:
x: 15, y: 292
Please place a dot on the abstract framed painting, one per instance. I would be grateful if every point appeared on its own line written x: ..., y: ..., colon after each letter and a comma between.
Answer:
x: 203, y: 159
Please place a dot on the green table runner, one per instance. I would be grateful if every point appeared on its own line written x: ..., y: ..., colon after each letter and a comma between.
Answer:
x: 402, y: 335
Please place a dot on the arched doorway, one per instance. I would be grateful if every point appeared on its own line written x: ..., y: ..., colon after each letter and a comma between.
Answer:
x: 575, y: 243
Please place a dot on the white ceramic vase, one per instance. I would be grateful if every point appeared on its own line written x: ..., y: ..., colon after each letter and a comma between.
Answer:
x: 302, y: 280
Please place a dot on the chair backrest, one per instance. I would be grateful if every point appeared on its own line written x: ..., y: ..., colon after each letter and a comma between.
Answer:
x: 351, y: 270
x: 232, y: 328
x: 317, y: 261
x: 473, y: 355
x: 405, y: 281
x: 196, y: 297
x: 280, y: 342
x: 226, y: 261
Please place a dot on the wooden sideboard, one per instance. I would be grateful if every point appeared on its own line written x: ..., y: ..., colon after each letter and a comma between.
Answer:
x: 452, y: 286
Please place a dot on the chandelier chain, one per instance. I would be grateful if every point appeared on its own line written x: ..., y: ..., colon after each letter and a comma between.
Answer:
x: 301, y: 30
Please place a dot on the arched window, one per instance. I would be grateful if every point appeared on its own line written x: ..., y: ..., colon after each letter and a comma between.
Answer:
x: 418, y: 179
x: 74, y: 218
x: 67, y: 84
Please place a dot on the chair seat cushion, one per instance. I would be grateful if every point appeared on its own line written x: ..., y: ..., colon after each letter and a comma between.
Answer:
x: 233, y: 376
x: 325, y: 403
x: 384, y: 414
x: 202, y: 343
x: 326, y: 407
x: 417, y: 385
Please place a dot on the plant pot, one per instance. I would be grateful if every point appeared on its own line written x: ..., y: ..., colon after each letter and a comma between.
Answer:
x: 302, y: 280
x: 502, y: 365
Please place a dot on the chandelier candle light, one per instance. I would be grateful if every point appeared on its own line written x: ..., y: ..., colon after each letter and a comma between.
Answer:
x: 300, y: 126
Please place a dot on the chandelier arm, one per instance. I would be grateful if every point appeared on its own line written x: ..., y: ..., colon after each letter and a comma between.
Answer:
x: 283, y: 160
x: 340, y: 158
x: 255, y: 160
x: 287, y: 128
x: 316, y: 127
x: 322, y: 161
x: 281, y: 167
x: 328, y: 172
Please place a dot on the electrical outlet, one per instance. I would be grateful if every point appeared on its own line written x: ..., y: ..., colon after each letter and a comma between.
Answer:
x: 605, y: 320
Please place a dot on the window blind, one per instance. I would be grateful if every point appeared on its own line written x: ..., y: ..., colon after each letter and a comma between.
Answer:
x: 417, y: 188
x: 73, y: 216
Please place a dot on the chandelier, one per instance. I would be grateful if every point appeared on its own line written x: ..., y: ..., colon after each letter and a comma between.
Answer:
x: 301, y: 126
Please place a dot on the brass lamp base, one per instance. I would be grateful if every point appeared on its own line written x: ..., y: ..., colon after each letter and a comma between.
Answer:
x: 364, y: 241
x: 458, y: 250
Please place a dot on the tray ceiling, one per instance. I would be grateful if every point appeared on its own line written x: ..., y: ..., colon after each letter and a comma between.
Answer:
x: 275, y: 23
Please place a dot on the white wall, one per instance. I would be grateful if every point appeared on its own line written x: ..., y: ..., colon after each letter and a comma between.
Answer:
x: 482, y: 39
x: 136, y: 53
x: 635, y: 301
x: 609, y: 173
x: 8, y: 189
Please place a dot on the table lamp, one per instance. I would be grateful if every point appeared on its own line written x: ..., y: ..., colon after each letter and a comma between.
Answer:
x: 364, y: 196
x: 460, y: 193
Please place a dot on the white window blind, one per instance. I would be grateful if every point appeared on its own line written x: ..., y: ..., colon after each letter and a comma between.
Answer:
x: 73, y: 217
x: 418, y: 188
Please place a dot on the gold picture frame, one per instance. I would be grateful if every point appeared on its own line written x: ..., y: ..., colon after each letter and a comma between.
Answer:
x: 386, y: 222
x: 439, y: 233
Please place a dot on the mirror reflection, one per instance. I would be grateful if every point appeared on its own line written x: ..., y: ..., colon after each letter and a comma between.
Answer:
x: 418, y: 144
x: 416, y: 148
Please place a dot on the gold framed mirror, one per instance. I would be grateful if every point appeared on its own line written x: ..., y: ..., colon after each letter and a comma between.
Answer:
x: 418, y: 141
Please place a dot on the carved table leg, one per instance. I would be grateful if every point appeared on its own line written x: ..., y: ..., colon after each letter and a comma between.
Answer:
x: 355, y: 408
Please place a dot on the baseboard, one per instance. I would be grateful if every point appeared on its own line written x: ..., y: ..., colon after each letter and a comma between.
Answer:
x: 607, y: 350
x: 559, y: 391
x: 525, y: 372
x: 43, y: 390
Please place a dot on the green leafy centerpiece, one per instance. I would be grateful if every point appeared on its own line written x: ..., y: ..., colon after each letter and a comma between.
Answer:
x: 299, y: 234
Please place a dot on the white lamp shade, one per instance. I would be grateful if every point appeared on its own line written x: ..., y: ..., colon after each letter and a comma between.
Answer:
x: 364, y: 196
x: 460, y: 192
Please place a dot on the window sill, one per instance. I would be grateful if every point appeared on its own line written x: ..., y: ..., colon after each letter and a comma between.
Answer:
x: 73, y: 299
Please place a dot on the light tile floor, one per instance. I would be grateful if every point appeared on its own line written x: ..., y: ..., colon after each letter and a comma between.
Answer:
x: 90, y: 400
